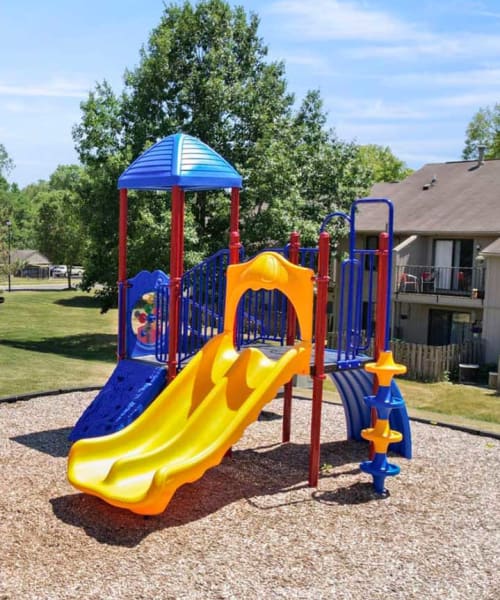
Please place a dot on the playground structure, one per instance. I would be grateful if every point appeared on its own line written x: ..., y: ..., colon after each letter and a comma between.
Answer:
x: 200, y: 353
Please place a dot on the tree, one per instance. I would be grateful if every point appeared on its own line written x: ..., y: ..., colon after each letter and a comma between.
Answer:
x: 204, y: 72
x: 483, y: 130
x: 383, y: 165
x: 60, y: 233
x: 6, y: 162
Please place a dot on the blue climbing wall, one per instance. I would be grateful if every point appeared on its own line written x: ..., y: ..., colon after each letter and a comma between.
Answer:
x: 132, y: 386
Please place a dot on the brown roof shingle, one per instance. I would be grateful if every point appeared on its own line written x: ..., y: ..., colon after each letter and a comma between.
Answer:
x: 446, y: 198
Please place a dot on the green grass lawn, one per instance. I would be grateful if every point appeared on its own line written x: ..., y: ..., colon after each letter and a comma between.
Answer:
x: 54, y: 340
x: 450, y: 399
x: 35, y: 281
x: 469, y: 401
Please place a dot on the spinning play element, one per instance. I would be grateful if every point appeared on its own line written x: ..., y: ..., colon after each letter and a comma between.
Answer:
x: 381, y: 435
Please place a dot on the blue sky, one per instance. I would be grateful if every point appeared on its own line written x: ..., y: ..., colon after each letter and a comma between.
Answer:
x: 406, y: 74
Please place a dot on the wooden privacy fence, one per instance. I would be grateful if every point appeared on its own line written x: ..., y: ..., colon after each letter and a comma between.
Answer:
x: 433, y: 363
x: 426, y: 363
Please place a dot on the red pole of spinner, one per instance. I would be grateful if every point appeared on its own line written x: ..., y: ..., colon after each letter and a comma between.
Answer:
x: 381, y: 315
x: 291, y: 326
x: 122, y: 272
x: 382, y: 278
x: 176, y: 268
x: 319, y: 355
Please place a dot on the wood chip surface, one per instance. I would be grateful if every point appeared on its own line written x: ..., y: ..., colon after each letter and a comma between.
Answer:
x: 251, y: 528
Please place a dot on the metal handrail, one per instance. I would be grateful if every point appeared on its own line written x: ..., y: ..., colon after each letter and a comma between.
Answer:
x: 456, y: 281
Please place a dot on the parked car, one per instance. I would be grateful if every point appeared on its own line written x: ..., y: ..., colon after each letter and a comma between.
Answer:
x: 59, y: 271
x: 76, y: 271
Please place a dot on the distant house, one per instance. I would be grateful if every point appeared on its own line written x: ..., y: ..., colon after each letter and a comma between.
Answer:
x: 30, y: 263
x: 447, y: 253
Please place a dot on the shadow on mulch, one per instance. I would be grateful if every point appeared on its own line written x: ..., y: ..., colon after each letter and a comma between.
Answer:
x: 53, y: 441
x: 248, y: 474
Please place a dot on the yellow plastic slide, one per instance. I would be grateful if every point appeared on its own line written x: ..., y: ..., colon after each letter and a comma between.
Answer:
x: 204, y: 411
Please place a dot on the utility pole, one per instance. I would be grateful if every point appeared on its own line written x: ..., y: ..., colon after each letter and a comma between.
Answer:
x: 9, y: 228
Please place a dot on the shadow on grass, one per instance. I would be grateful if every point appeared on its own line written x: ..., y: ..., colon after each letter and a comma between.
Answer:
x: 258, y: 476
x: 96, y: 346
x: 53, y: 442
x: 79, y: 302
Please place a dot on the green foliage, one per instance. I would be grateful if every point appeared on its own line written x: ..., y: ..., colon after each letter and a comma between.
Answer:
x: 6, y: 162
x: 204, y: 71
x: 382, y: 164
x: 484, y: 129
x: 60, y: 232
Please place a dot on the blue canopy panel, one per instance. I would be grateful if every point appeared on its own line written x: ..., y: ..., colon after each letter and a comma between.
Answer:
x: 179, y: 160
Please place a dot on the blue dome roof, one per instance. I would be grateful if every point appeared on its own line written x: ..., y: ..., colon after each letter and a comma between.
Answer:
x: 180, y: 160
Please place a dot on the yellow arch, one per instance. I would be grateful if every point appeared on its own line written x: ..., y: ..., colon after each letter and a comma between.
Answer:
x: 271, y: 271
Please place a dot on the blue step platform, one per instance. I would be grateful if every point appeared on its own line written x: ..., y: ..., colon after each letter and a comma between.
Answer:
x: 132, y: 386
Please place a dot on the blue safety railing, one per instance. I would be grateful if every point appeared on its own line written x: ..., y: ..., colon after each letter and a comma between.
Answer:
x: 357, y: 288
x: 262, y: 313
x: 202, y: 307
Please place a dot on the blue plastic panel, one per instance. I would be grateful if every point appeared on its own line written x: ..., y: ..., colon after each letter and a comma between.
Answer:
x: 353, y: 386
x: 141, y: 317
x: 131, y: 388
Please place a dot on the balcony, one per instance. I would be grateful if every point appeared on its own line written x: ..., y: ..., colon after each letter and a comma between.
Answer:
x: 467, y: 282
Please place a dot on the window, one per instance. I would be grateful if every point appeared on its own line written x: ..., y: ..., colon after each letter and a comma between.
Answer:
x: 448, y: 327
x: 453, y: 262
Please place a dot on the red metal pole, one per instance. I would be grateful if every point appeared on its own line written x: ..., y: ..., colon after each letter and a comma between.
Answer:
x: 122, y: 272
x: 234, y: 227
x: 291, y: 326
x: 319, y: 355
x: 381, y: 315
x: 176, y: 267
x: 382, y: 293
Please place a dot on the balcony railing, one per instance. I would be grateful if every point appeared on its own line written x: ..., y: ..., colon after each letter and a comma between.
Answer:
x: 451, y: 281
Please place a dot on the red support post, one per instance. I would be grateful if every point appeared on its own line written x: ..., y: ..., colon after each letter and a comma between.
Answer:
x: 234, y: 223
x: 122, y: 272
x: 234, y: 234
x: 382, y: 293
x: 176, y: 268
x: 234, y: 228
x: 319, y: 355
x: 234, y: 248
x: 381, y: 315
x: 291, y: 327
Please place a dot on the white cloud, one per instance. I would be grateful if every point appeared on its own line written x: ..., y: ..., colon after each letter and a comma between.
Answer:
x: 375, y: 109
x: 59, y: 88
x: 466, y: 78
x: 379, y: 33
x: 315, y: 63
x: 442, y: 47
x: 472, y: 100
x: 337, y: 20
